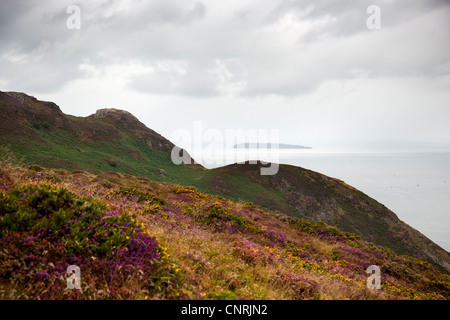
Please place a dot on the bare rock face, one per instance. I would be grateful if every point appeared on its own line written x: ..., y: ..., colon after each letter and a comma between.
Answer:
x: 112, y: 112
x: 119, y: 118
x: 22, y: 98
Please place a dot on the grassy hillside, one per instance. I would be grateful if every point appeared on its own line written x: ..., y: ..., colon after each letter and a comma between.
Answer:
x: 126, y: 156
x: 307, y: 194
x: 109, y: 140
x: 134, y: 238
x: 114, y: 140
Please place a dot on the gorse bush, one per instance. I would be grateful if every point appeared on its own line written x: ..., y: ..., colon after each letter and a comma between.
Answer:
x: 138, y: 195
x: 322, y: 230
x: 217, y: 213
x: 220, y: 216
x: 46, y: 229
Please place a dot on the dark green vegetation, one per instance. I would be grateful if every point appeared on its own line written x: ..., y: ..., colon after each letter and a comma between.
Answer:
x: 114, y: 140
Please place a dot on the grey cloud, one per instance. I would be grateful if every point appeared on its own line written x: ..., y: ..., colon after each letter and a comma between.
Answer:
x: 254, y: 57
x: 402, y: 49
x: 194, y: 81
x: 197, y: 12
x: 108, y: 33
x: 347, y: 18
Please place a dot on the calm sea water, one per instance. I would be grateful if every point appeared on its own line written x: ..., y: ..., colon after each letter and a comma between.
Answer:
x: 414, y: 185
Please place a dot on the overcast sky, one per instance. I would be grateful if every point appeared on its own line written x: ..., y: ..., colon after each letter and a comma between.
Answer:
x: 313, y: 70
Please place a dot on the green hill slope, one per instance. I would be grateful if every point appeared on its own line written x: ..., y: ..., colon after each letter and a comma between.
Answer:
x: 109, y: 140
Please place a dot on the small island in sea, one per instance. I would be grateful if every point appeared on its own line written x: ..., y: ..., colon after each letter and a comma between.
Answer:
x: 260, y: 145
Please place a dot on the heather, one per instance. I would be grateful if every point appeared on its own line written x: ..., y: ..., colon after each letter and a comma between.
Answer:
x: 47, y: 228
x: 134, y: 238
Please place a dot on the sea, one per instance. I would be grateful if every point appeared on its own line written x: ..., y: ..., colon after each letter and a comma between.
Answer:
x: 415, y: 185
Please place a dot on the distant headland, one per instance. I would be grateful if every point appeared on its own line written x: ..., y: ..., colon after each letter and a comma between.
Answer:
x: 260, y: 145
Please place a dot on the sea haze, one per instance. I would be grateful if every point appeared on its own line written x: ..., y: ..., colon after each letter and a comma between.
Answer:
x: 414, y: 185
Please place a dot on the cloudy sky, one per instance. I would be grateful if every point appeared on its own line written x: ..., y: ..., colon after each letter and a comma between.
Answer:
x: 324, y: 73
